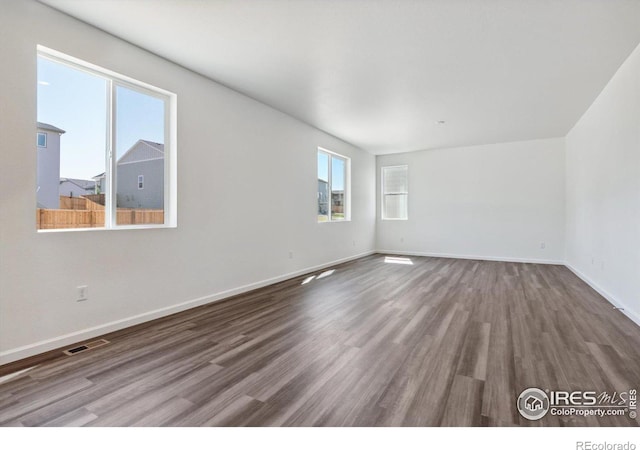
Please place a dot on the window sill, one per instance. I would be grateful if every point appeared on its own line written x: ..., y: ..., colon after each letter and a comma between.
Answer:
x: 123, y: 227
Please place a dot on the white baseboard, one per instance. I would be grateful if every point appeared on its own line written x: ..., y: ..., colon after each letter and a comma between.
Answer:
x: 16, y: 354
x: 610, y: 298
x: 477, y: 257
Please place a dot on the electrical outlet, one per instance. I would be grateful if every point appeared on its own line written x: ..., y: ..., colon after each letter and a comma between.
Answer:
x: 543, y: 245
x: 354, y: 243
x: 290, y: 255
x: 83, y: 293
x: 401, y: 239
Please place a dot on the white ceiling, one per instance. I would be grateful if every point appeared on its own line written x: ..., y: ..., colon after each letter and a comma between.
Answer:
x: 380, y: 73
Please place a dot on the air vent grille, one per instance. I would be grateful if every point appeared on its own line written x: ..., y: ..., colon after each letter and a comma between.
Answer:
x: 85, y: 347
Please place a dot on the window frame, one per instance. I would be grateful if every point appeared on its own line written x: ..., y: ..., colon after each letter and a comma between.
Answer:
x: 114, y: 80
x: 383, y: 194
x: 38, y: 134
x: 140, y: 182
x: 347, y: 185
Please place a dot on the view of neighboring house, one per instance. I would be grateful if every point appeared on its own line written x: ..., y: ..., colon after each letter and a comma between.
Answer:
x: 337, y: 202
x: 48, y: 166
x: 140, y: 176
x: 323, y: 197
x: 99, y: 181
x: 337, y: 199
x: 73, y: 187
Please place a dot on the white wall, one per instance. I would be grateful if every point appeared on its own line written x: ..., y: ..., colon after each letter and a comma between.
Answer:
x: 246, y: 192
x: 603, y: 191
x: 496, y: 201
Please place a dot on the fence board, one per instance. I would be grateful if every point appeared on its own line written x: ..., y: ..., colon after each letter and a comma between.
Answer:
x: 93, y: 201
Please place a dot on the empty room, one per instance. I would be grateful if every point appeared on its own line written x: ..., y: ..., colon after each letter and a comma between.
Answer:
x: 368, y: 213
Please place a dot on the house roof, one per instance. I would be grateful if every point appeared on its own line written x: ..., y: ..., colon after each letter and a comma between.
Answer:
x: 156, y: 145
x: 49, y: 127
x: 83, y: 184
x: 142, y: 150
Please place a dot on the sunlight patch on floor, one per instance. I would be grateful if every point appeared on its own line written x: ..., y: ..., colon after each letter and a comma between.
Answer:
x: 326, y: 274
x: 308, y: 279
x: 398, y: 260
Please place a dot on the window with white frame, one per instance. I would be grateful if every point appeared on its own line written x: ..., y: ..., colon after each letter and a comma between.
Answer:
x: 42, y: 139
x: 395, y: 192
x: 333, y: 186
x: 115, y: 137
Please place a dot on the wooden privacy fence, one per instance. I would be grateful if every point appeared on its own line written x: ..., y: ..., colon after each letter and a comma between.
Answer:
x: 93, y: 201
x: 88, y: 212
x: 138, y: 216
x: 73, y: 202
x: 50, y: 219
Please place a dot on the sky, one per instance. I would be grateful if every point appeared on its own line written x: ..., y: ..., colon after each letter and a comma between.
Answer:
x: 76, y: 102
x: 337, y: 171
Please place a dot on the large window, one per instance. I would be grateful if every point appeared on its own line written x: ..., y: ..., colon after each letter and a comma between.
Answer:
x: 333, y: 187
x: 395, y: 193
x: 112, y: 138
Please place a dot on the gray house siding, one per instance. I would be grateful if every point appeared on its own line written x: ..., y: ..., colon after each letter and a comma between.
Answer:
x: 152, y: 195
x: 323, y: 197
x: 101, y: 185
x: 48, y: 168
x: 70, y: 187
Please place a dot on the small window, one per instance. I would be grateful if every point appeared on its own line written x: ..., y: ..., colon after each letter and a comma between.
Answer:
x: 333, y: 186
x: 42, y: 139
x: 395, y: 193
x: 115, y: 128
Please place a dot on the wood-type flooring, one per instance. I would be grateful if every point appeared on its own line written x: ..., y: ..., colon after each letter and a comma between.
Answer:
x: 372, y: 342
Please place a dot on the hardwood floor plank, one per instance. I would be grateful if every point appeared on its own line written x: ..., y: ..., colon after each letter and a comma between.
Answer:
x: 234, y: 412
x: 475, y: 351
x: 464, y: 405
x: 43, y: 397
x: 76, y: 418
x: 163, y: 413
x: 298, y: 393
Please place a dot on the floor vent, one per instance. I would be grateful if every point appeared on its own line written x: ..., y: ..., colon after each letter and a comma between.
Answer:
x: 85, y: 347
